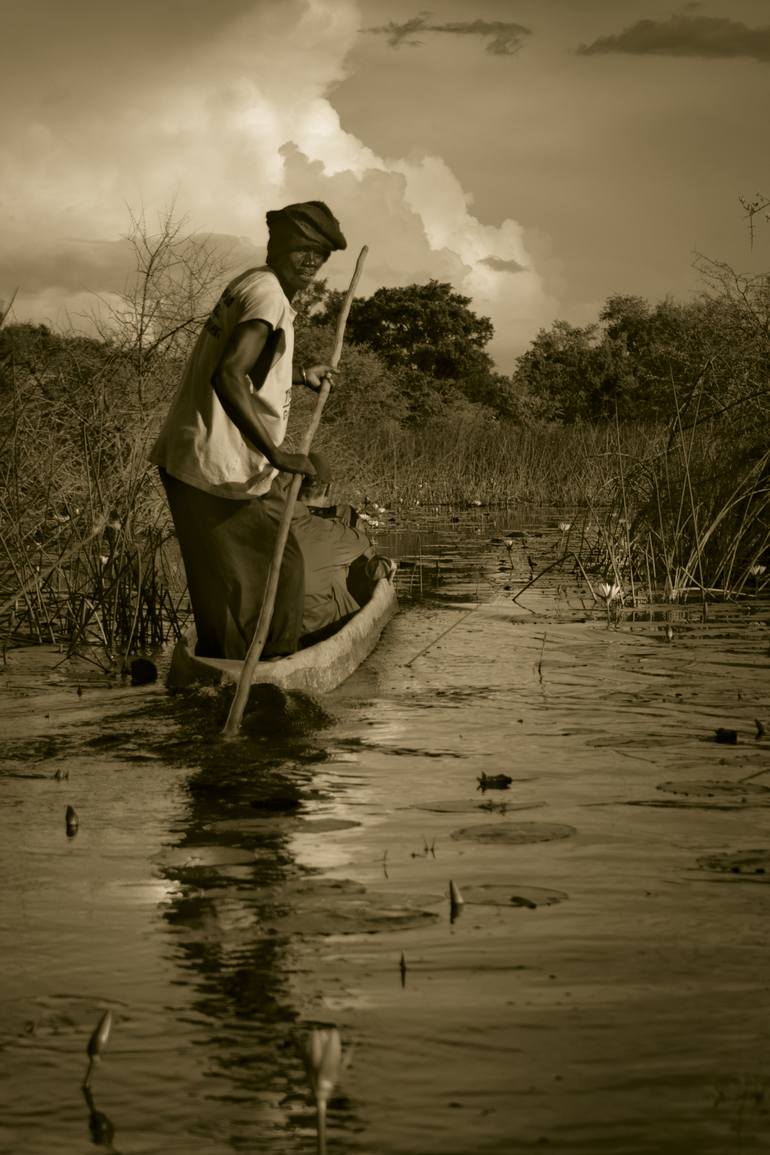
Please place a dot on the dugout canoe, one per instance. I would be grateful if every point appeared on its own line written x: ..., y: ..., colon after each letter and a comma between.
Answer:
x: 315, y: 670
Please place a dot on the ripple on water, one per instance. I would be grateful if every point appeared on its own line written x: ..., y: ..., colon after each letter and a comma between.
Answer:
x: 50, y: 1017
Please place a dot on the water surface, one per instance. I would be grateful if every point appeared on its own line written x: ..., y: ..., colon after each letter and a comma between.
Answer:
x: 602, y: 988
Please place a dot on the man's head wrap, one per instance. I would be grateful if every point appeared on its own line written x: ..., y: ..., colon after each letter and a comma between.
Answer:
x: 309, y: 223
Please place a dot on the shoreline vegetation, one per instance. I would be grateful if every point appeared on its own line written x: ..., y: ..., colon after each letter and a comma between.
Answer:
x: 651, y: 426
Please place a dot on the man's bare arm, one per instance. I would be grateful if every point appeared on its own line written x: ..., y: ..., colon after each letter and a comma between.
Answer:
x: 232, y: 386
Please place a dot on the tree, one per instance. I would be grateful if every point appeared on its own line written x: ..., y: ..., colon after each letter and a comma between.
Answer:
x: 173, y: 285
x: 425, y: 327
x: 570, y: 374
x: 430, y: 338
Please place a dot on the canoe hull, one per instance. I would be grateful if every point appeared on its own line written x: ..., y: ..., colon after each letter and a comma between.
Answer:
x: 316, y: 670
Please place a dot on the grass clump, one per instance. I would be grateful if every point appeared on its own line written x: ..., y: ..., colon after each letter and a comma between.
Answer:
x: 690, y: 516
x: 85, y: 541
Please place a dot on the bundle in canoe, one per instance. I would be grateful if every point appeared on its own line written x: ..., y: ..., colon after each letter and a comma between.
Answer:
x: 314, y: 670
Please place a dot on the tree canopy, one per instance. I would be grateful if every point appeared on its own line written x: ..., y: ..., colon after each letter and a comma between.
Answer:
x: 429, y: 338
x: 649, y: 362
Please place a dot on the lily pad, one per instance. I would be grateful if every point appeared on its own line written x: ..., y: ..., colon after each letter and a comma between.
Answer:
x: 471, y: 806
x: 191, y: 857
x: 274, y: 822
x: 690, y: 803
x: 512, y: 896
x: 514, y: 833
x: 323, y: 825
x: 751, y: 793
x: 754, y: 864
x: 338, y: 906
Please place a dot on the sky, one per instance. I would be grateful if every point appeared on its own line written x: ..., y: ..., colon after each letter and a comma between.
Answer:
x: 538, y: 155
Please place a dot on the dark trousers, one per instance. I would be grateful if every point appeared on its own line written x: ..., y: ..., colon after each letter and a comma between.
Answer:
x: 226, y: 548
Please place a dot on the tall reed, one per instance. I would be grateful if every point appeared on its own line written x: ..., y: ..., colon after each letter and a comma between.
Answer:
x: 691, y: 515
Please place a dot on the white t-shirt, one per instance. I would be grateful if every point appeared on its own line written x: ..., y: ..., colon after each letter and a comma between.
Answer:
x: 198, y: 442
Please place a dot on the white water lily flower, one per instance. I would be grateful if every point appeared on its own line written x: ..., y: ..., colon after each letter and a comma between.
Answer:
x: 609, y: 592
x: 758, y: 570
x: 508, y: 543
x: 565, y: 526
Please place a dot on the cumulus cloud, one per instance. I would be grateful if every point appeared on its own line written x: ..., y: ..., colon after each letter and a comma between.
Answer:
x: 714, y: 37
x: 241, y: 124
x: 504, y: 38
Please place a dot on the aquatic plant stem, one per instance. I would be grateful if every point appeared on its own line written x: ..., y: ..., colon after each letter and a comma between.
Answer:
x: 321, y: 1125
x: 234, y: 717
x: 626, y: 523
x: 546, y: 569
x: 443, y: 634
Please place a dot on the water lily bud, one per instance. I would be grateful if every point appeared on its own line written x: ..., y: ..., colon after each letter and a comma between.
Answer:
x: 321, y: 1051
x: 455, y: 898
x: 100, y: 1036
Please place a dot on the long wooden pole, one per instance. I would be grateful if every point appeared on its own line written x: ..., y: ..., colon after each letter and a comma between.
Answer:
x: 238, y: 704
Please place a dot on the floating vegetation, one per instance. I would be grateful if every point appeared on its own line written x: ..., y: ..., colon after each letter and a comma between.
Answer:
x: 205, y: 857
x: 514, y: 833
x: 513, y: 896
x: 337, y: 906
x: 751, y: 864
x: 740, y: 793
x: 472, y: 805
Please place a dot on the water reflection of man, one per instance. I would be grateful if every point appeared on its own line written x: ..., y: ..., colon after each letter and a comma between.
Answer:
x: 341, y: 564
x: 235, y: 970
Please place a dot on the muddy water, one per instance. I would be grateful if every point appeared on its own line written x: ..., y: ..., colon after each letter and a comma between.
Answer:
x: 603, y: 987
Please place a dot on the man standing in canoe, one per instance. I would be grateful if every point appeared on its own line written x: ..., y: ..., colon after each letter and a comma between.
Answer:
x: 219, y: 450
